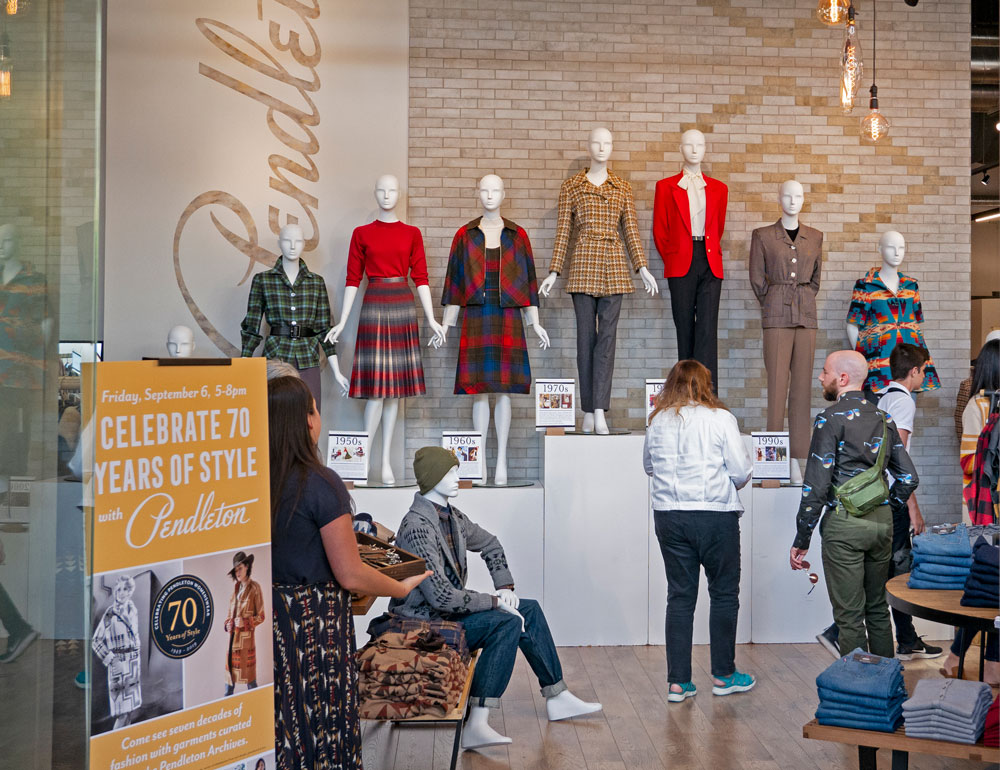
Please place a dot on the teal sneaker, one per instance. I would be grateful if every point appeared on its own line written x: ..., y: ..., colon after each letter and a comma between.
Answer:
x: 735, y: 682
x: 688, y: 690
x: 80, y: 680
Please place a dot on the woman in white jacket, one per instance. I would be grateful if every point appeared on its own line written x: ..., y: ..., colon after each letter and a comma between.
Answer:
x: 697, y: 460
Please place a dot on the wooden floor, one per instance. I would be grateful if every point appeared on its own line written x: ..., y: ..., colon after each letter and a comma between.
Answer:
x: 639, y: 730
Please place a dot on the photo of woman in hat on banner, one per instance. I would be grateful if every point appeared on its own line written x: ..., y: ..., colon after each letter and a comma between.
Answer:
x: 246, y: 612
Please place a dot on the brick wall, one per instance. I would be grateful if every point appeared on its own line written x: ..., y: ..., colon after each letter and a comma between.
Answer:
x: 515, y: 87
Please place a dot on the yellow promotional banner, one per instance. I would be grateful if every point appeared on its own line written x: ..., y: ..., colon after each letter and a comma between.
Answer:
x: 181, y: 565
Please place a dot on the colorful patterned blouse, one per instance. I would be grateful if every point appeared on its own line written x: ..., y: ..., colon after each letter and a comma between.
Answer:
x: 885, y: 319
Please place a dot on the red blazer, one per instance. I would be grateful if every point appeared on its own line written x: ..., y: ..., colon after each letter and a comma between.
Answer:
x: 672, y: 225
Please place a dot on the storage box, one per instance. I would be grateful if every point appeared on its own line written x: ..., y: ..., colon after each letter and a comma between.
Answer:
x: 410, y: 564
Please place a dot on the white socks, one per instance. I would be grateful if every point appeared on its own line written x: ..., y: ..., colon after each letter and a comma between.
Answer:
x: 477, y: 733
x: 566, y: 705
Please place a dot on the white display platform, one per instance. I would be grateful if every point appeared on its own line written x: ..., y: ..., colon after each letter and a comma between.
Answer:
x: 513, y: 514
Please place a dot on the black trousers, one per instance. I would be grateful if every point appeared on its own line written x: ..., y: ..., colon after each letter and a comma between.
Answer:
x: 596, y: 334
x: 694, y: 303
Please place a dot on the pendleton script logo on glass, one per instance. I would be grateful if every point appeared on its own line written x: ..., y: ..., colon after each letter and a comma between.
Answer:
x: 282, y: 65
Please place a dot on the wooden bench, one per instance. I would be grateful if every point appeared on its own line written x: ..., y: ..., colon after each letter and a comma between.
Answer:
x: 870, y: 741
x: 455, y: 717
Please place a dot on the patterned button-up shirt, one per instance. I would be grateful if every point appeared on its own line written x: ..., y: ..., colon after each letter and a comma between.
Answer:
x: 845, y: 441
x: 598, y: 215
x: 304, y: 303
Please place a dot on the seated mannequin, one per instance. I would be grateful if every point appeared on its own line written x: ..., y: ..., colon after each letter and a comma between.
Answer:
x: 498, y: 624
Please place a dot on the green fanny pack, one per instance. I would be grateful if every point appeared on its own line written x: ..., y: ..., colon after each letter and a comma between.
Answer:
x: 862, y: 494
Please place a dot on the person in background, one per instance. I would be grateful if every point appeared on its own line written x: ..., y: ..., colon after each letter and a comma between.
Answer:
x: 697, y: 460
x: 846, y: 441
x: 965, y: 388
x: 315, y: 566
x: 976, y: 418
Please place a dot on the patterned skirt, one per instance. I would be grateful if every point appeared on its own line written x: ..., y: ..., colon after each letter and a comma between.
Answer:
x: 316, y: 723
x: 387, y: 361
x: 492, y: 355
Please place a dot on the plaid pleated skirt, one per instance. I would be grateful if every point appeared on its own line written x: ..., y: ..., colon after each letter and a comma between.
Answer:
x: 387, y: 361
x: 492, y: 355
x: 316, y: 721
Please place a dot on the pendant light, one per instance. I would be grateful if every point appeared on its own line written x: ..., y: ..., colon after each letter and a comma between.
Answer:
x: 851, y: 66
x: 832, y: 12
x: 874, y: 126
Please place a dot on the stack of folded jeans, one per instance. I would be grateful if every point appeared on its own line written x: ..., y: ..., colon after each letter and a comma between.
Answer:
x: 982, y: 589
x: 941, y: 561
x: 863, y: 691
x: 991, y: 735
x: 947, y: 710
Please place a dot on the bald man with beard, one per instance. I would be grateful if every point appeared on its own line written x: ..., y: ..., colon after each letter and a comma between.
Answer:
x: 856, y: 549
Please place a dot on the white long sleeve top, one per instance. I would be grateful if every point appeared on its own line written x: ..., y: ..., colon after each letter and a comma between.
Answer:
x: 697, y: 460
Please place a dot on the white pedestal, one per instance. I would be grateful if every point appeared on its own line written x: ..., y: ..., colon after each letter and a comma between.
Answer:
x: 513, y: 514
x: 658, y: 583
x: 596, y: 540
x: 782, y: 609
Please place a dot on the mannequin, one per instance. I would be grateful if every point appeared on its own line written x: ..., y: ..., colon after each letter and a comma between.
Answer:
x: 786, y: 260
x: 493, y: 356
x: 598, y: 206
x: 180, y: 342
x: 497, y: 624
x: 24, y: 331
x: 885, y: 310
x: 297, y: 308
x: 386, y: 250
x: 689, y: 217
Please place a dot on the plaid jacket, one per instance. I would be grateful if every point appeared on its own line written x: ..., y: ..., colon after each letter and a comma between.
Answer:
x: 465, y: 281
x: 596, y: 215
x: 304, y: 303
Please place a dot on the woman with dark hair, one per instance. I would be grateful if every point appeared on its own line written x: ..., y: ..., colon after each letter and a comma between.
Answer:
x: 697, y: 460
x: 315, y: 566
x: 261, y: 764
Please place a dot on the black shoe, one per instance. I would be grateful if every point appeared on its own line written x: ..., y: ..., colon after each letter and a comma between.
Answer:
x: 919, y: 649
x: 15, y: 646
x: 830, y: 639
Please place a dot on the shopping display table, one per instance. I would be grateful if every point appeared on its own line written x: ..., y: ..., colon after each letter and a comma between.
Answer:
x: 870, y: 741
x: 943, y: 607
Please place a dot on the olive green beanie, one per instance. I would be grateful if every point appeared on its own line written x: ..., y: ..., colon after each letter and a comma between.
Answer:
x: 430, y: 464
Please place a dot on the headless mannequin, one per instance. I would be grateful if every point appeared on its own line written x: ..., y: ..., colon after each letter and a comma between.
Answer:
x: 385, y: 410
x: 477, y: 733
x: 492, y: 194
x: 180, y: 342
x: 892, y: 248
x: 599, y: 145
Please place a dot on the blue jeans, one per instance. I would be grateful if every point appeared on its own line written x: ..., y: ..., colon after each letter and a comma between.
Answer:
x: 498, y: 634
x: 953, y: 544
x: 963, y: 640
x: 849, y: 700
x: 880, y: 679
x: 688, y: 541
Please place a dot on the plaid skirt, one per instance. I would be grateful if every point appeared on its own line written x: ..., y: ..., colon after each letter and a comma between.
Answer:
x: 387, y: 361
x: 316, y: 722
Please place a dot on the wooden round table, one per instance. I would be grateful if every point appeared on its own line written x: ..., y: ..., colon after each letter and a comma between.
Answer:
x: 942, y: 607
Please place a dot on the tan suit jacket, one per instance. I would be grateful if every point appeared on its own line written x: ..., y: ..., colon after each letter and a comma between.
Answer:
x: 785, y: 275
x: 598, y: 266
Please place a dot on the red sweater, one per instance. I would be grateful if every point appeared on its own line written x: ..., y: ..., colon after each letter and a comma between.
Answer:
x: 386, y: 250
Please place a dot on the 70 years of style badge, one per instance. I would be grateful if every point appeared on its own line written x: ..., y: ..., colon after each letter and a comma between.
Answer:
x: 181, y: 616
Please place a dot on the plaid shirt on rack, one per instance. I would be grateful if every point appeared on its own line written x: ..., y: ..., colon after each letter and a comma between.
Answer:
x: 304, y: 303
x: 595, y: 214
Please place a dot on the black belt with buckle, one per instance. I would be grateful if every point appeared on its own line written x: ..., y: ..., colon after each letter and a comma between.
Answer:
x: 697, y: 237
x: 292, y: 332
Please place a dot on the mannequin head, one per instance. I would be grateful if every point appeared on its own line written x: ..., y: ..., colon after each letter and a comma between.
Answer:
x: 693, y: 147
x: 387, y: 192
x: 447, y: 487
x: 491, y: 192
x: 180, y: 342
x: 8, y: 242
x: 791, y: 197
x: 892, y: 247
x: 600, y: 145
x: 291, y: 241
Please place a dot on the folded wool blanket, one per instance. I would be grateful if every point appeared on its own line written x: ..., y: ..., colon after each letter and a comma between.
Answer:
x: 385, y: 709
x: 953, y: 544
x: 881, y: 678
x: 955, y: 696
